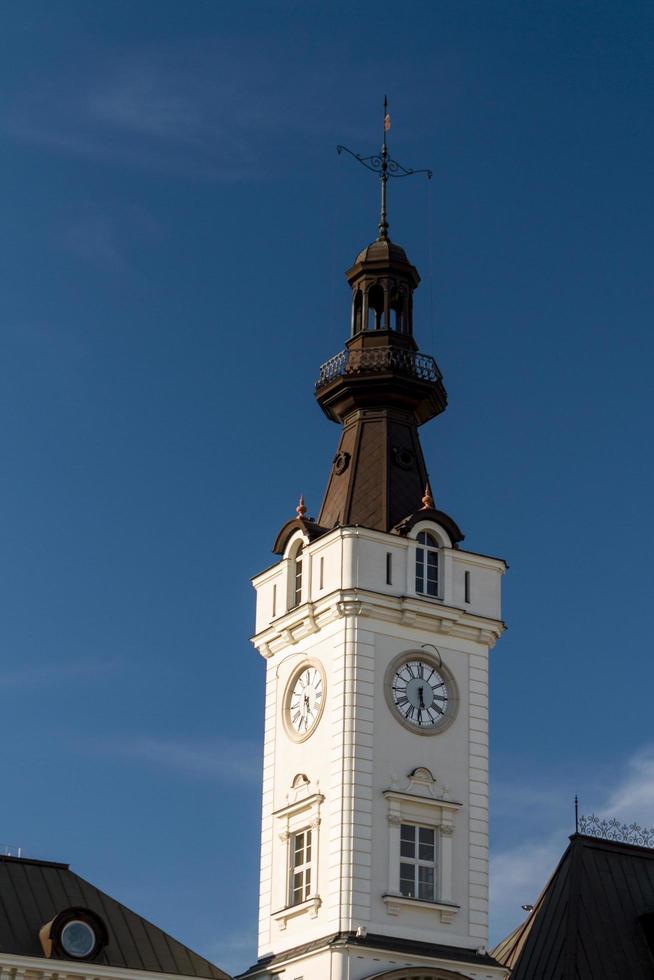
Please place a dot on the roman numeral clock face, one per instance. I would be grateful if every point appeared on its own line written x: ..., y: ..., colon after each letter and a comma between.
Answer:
x: 304, y: 701
x: 421, y: 693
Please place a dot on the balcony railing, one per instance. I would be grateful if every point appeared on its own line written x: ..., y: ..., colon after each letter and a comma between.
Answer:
x: 379, y: 359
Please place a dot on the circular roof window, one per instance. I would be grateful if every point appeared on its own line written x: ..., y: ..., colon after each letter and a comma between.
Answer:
x: 78, y: 939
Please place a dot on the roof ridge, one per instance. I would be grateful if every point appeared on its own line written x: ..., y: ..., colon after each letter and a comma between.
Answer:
x: 11, y: 859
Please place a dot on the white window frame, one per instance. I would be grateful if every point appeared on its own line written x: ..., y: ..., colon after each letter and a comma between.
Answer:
x: 428, y: 549
x: 422, y: 805
x: 304, y: 868
x: 416, y: 862
x: 301, y: 815
x: 445, y: 562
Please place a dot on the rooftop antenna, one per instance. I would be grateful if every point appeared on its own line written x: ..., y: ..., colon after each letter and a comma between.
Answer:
x: 386, y: 167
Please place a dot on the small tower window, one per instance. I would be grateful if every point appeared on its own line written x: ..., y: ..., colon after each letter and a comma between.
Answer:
x: 397, y: 311
x: 389, y: 568
x: 466, y: 586
x: 357, y: 312
x: 376, y: 306
x: 427, y: 564
x: 296, y: 578
x: 417, y: 862
x: 300, y: 870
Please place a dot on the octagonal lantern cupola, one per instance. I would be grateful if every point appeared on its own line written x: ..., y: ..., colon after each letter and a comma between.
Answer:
x: 382, y: 281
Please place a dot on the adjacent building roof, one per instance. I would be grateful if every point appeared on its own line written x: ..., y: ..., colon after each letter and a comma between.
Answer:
x: 593, y: 919
x: 34, y: 892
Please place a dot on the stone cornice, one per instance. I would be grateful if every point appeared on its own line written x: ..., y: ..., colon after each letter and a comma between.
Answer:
x: 34, y: 966
x: 431, y: 616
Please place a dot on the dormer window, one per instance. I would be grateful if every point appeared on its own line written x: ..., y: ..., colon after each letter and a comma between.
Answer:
x: 296, y: 577
x: 427, y: 564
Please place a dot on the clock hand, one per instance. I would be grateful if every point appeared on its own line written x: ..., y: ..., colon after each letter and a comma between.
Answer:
x: 422, y: 703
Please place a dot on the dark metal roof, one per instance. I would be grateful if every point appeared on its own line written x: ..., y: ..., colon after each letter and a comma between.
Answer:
x: 588, y: 923
x: 392, y: 944
x: 34, y: 892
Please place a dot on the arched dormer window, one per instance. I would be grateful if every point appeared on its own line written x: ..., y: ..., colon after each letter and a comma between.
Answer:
x: 296, y: 577
x: 427, y: 564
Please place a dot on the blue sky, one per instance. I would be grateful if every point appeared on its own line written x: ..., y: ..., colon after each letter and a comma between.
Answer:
x: 176, y: 224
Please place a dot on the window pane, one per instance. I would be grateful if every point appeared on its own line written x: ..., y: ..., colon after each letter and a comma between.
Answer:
x: 408, y: 880
x: 407, y: 849
x: 432, y: 559
x: 432, y: 588
x: 426, y: 884
x: 307, y: 882
x: 407, y: 832
x: 426, y: 852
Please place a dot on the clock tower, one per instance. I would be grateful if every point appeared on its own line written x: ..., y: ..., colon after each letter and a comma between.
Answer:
x: 375, y: 626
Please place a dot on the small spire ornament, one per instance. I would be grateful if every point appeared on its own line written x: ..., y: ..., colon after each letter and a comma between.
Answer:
x: 301, y: 510
x: 428, y: 500
x: 384, y: 165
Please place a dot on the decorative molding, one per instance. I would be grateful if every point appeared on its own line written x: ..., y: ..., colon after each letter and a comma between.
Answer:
x: 395, y: 903
x: 434, y: 802
x: 428, y: 615
x: 310, y: 907
x: 611, y: 829
x: 306, y: 803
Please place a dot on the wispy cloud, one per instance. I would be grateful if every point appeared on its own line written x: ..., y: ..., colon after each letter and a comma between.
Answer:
x: 218, y: 759
x: 204, y: 108
x: 36, y: 675
x: 108, y: 241
x: 520, y: 870
x: 633, y: 797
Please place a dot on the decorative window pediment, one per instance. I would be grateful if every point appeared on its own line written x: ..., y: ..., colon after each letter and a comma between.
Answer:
x: 421, y: 824
x: 297, y: 845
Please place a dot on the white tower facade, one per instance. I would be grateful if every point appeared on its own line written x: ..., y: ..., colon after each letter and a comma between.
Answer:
x: 361, y: 777
x: 376, y: 628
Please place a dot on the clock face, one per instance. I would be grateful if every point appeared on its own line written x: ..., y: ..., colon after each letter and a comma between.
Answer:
x: 305, y: 699
x: 420, y: 693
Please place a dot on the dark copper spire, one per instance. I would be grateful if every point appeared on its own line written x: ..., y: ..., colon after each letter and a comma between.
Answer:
x: 380, y: 388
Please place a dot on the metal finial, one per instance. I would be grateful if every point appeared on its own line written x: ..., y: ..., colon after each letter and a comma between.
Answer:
x: 386, y: 167
x: 576, y: 814
x: 427, y: 500
x: 301, y: 510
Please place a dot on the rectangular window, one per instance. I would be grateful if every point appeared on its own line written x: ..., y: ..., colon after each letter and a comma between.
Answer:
x: 300, y: 869
x: 389, y: 568
x: 297, y: 584
x: 418, y: 862
x: 467, y: 586
x: 427, y: 571
x: 274, y: 611
x: 322, y: 572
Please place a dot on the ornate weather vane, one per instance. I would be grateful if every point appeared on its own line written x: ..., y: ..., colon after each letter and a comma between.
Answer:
x: 386, y: 167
